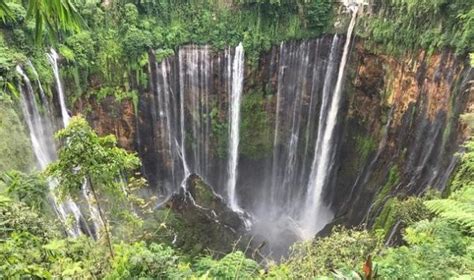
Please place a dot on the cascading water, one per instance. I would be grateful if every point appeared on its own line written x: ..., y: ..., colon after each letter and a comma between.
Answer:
x: 41, y: 136
x: 185, y: 132
x: 98, y: 223
x: 44, y: 100
x: 234, y: 127
x: 53, y: 60
x: 315, y: 215
x: 185, y: 88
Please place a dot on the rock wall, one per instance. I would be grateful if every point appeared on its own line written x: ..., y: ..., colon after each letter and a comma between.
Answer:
x: 409, y: 109
x: 400, y: 119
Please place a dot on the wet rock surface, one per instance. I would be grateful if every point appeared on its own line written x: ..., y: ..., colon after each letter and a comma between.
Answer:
x: 203, y: 219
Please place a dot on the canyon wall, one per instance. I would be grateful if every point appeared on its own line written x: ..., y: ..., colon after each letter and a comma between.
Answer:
x: 397, y: 132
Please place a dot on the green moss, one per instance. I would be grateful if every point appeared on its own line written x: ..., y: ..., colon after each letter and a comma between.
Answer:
x: 393, y: 178
x: 204, y: 195
x: 15, y: 147
x: 386, y: 219
x: 220, y: 132
x: 365, y: 145
x: 255, y: 128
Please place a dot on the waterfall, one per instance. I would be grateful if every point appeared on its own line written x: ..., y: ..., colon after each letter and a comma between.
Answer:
x: 39, y: 128
x: 314, y: 215
x: 41, y: 136
x: 234, y: 124
x: 44, y: 100
x: 182, y: 146
x: 294, y: 86
x: 189, y: 93
x: 97, y: 221
x: 53, y: 60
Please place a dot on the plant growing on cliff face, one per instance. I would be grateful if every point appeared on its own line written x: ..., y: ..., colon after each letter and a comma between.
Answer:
x: 409, y: 25
x: 15, y: 149
x: 255, y: 136
x: 85, y: 155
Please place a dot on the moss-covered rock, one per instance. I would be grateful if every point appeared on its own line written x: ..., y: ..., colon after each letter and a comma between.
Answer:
x: 198, y: 219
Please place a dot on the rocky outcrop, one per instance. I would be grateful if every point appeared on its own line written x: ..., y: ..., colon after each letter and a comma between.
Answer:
x: 199, y: 201
x: 203, y: 219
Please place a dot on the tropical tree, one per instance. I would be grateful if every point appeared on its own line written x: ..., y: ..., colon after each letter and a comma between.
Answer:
x: 86, y: 156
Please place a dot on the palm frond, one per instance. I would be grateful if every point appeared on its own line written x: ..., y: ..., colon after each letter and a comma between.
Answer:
x: 54, y: 16
x: 5, y: 12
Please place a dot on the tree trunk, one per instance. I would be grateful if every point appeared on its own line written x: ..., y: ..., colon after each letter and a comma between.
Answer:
x: 104, y: 221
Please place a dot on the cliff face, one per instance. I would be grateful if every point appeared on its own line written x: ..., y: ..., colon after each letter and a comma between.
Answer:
x: 397, y: 132
x: 410, y: 109
x: 111, y: 117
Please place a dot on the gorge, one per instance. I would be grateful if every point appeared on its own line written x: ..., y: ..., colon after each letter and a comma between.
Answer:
x: 264, y: 148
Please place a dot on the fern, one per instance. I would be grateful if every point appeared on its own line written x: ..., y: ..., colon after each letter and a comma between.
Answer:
x: 459, y: 206
x: 458, y: 212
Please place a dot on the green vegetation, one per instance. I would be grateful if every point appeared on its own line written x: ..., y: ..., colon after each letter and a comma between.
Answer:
x: 15, y: 148
x: 437, y: 233
x: 86, y: 156
x: 365, y: 145
x: 110, y: 50
x: 220, y: 132
x: 255, y: 129
x: 343, y: 249
x: 30, y: 189
x: 402, y: 26
x: 104, y: 46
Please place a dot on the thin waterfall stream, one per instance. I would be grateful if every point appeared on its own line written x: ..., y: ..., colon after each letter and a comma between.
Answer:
x: 234, y: 135
x: 314, y: 215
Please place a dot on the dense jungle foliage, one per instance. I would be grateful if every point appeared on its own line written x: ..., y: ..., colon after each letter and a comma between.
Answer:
x: 437, y: 232
x: 108, y: 54
x: 407, y: 26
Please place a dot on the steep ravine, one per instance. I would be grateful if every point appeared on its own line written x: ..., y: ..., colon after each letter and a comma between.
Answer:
x: 389, y: 106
